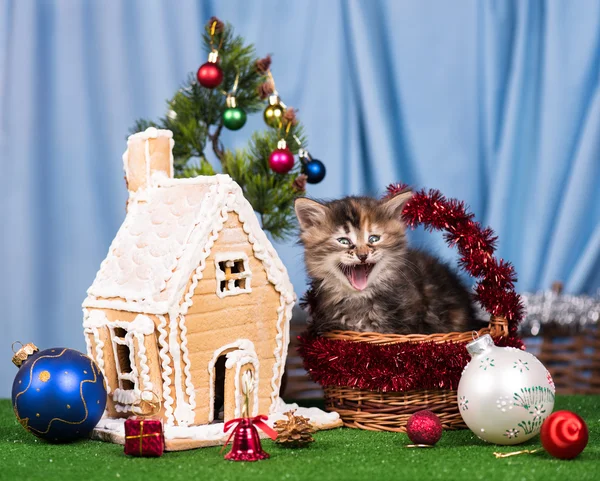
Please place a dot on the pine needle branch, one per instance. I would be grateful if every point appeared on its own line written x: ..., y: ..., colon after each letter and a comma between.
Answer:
x: 195, y: 116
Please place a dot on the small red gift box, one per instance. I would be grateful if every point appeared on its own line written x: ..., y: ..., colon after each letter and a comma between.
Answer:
x: 144, y: 437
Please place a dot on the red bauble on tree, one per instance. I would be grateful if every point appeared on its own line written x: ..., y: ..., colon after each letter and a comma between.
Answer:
x: 210, y: 75
x: 564, y: 434
x: 281, y: 159
x: 424, y: 427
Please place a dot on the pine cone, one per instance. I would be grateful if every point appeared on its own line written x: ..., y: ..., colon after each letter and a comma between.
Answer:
x: 295, y: 431
x: 263, y: 65
x: 290, y: 115
x: 265, y: 89
x: 219, y: 25
x: 299, y: 184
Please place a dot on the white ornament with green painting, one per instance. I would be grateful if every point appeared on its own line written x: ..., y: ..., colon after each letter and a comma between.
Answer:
x: 504, y: 393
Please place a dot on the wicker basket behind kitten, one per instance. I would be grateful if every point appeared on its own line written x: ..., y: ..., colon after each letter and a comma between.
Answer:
x: 365, y: 278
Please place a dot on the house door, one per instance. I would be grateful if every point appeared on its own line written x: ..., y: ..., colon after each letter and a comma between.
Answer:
x: 233, y: 373
x: 238, y: 380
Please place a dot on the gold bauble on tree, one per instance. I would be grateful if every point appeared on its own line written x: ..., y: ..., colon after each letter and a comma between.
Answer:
x: 274, y: 111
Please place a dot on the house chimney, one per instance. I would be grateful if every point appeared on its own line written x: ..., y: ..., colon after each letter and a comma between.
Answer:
x: 148, y: 153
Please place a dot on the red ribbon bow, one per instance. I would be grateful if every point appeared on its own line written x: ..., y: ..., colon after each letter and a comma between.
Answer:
x: 258, y: 421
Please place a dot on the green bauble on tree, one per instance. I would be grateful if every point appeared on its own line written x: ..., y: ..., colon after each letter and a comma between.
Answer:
x: 234, y: 117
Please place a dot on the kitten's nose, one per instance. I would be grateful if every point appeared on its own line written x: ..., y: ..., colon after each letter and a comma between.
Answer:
x: 362, y: 257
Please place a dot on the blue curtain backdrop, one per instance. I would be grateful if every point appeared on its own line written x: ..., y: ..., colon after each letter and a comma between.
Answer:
x: 494, y: 102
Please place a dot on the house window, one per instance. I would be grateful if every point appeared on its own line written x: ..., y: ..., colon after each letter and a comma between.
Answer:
x: 232, y: 273
x: 123, y: 349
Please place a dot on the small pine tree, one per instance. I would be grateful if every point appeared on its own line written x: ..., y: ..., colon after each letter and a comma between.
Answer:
x: 195, y: 116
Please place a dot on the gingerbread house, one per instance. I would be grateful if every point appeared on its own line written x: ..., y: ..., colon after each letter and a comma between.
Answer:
x: 190, y: 285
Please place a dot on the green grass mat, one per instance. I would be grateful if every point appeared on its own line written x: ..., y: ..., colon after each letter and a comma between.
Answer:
x: 340, y: 454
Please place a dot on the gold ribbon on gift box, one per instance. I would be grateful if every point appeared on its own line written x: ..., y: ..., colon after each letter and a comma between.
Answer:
x: 141, y: 436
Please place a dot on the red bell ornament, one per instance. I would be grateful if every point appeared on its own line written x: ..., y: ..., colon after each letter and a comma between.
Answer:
x: 210, y: 75
x: 281, y: 159
x: 246, y: 441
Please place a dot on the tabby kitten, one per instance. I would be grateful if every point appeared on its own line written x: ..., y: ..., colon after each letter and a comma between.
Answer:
x: 365, y: 278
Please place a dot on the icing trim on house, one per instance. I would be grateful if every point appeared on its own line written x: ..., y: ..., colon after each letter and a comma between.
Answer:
x: 166, y: 370
x: 187, y: 366
x: 182, y: 411
x: 284, y: 311
x: 92, y: 327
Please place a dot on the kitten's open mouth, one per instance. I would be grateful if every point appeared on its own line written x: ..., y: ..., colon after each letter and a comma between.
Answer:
x: 358, y: 274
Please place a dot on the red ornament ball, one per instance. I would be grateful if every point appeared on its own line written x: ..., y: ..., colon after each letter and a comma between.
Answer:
x: 210, y: 75
x: 281, y: 161
x: 424, y: 427
x: 564, y: 434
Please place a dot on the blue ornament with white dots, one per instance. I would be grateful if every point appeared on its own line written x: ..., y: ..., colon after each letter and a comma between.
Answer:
x: 59, y: 394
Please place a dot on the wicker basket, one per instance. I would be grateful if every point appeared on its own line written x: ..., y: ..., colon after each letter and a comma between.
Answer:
x: 389, y: 411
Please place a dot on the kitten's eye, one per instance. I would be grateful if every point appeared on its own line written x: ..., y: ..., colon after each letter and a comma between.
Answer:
x: 374, y: 238
x: 344, y: 241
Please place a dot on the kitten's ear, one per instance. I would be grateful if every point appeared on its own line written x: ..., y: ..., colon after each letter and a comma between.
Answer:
x: 394, y: 205
x: 309, y: 212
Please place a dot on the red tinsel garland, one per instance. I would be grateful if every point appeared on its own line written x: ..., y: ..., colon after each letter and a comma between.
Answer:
x: 405, y: 366
x: 413, y: 366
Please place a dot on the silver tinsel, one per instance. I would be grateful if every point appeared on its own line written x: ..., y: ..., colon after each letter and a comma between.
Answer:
x: 562, y: 310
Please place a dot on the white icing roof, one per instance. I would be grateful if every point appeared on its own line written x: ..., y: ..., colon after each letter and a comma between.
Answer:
x: 166, y: 236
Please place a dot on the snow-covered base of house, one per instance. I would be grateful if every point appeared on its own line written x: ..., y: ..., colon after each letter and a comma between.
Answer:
x: 179, y: 438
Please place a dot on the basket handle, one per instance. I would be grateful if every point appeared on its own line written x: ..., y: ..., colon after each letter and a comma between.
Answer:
x: 495, y: 287
x: 498, y: 326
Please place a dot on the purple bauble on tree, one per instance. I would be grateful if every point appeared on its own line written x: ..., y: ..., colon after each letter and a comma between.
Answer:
x: 281, y: 159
